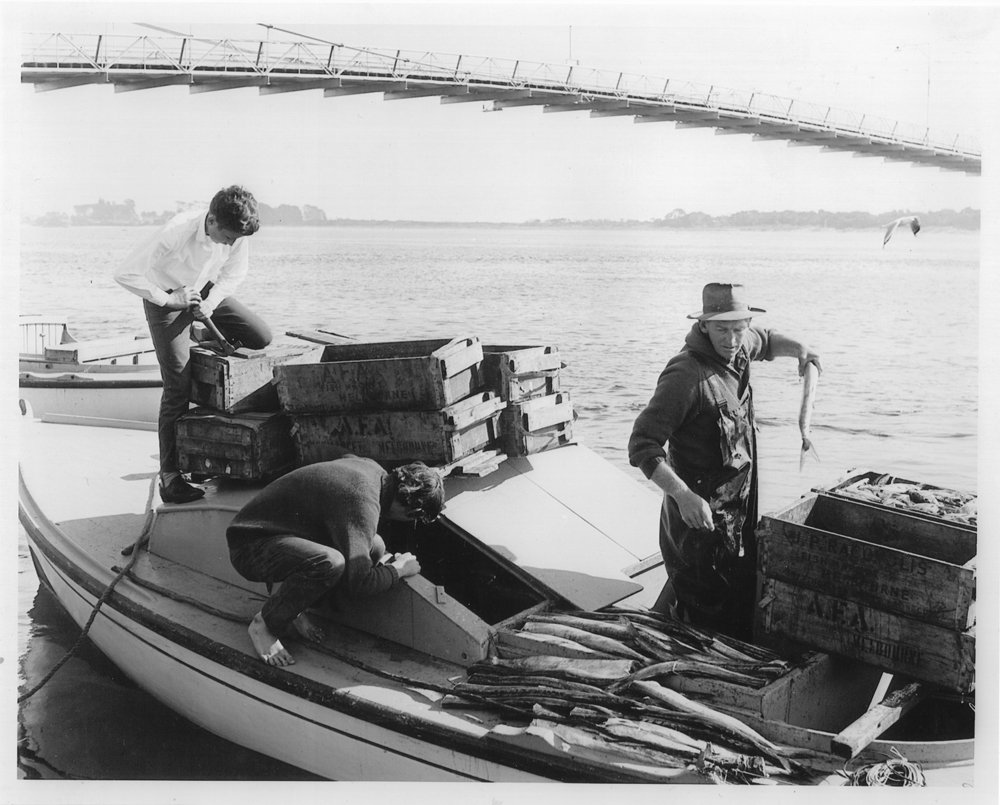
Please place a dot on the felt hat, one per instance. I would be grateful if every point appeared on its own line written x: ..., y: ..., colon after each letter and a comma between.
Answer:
x: 724, y: 302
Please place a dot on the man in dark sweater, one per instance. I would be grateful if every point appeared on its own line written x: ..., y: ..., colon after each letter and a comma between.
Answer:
x: 316, y: 528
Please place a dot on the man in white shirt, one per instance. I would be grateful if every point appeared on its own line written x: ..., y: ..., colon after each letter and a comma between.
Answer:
x: 189, y: 270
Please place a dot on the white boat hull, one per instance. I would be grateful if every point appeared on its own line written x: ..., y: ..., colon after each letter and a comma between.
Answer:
x: 131, y: 397
x: 281, y: 725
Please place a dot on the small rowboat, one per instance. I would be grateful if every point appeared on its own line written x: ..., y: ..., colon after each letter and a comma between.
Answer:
x: 115, y: 378
x: 380, y: 698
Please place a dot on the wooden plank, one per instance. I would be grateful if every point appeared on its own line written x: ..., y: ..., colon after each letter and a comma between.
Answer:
x: 885, y: 640
x: 98, y: 349
x: 884, y: 577
x: 544, y: 412
x: 100, y: 422
x: 517, y: 360
x: 856, y: 736
x: 319, y: 336
x: 471, y: 410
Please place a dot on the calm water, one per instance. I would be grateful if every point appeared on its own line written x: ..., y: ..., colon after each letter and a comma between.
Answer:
x: 896, y: 328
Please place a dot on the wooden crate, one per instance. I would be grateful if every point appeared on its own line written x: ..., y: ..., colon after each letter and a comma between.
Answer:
x: 820, y: 690
x: 383, y: 376
x: 533, y: 425
x: 871, y: 583
x: 239, y: 383
x: 878, y: 638
x: 253, y: 446
x: 843, y: 490
x: 521, y: 372
x: 392, y: 437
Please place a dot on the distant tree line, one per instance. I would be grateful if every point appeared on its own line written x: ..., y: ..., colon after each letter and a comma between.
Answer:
x: 967, y: 218
x: 110, y: 213
x: 107, y: 213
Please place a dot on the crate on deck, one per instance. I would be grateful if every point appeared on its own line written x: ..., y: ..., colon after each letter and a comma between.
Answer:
x: 536, y: 424
x: 252, y: 446
x: 872, y: 583
x: 393, y: 437
x: 243, y: 382
x: 521, y: 372
x: 423, y: 375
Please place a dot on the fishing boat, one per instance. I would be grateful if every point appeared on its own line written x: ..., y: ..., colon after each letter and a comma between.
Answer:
x: 389, y: 693
x: 115, y: 377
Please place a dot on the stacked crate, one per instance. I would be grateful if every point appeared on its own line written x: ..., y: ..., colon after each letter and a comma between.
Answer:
x: 393, y: 402
x: 238, y: 430
x: 874, y: 583
x: 537, y: 414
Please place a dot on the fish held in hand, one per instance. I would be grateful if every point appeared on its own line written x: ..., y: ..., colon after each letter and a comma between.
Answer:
x: 810, y: 379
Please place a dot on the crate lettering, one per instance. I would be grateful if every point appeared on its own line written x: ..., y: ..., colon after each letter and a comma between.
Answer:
x: 345, y: 427
x: 869, y: 645
x: 855, y: 552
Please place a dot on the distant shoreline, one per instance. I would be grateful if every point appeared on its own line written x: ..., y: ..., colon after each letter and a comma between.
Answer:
x: 643, y: 225
x: 112, y: 214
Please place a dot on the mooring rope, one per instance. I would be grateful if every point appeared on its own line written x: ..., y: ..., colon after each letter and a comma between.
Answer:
x: 896, y: 771
x: 133, y: 551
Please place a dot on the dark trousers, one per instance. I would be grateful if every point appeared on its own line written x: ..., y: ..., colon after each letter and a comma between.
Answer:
x: 306, y: 570
x: 706, y: 586
x: 170, y: 331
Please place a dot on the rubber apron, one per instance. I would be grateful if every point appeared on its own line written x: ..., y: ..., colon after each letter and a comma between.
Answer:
x: 711, y: 573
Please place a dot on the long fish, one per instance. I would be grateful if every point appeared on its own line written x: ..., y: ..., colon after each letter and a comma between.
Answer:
x: 599, y: 643
x: 722, y: 721
x: 810, y: 379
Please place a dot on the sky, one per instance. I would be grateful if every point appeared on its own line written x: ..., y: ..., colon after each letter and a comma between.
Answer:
x: 363, y: 157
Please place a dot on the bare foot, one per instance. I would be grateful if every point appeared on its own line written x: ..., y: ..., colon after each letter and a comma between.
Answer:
x: 267, y: 646
x: 308, y: 628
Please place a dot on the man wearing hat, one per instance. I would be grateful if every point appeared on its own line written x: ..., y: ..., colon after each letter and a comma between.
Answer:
x: 702, y: 411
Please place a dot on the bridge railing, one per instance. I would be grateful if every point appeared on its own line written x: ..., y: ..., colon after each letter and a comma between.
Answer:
x: 155, y: 55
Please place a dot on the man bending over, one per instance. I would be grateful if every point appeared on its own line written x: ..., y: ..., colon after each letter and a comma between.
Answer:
x: 316, y: 528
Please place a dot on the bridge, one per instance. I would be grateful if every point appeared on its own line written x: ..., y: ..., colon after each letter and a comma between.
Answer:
x: 131, y: 63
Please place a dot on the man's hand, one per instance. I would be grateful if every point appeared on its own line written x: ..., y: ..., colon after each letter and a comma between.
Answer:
x: 695, y: 511
x: 198, y: 313
x: 806, y: 358
x: 182, y: 299
x: 406, y: 564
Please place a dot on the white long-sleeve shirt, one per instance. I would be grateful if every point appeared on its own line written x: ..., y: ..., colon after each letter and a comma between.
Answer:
x: 181, y: 254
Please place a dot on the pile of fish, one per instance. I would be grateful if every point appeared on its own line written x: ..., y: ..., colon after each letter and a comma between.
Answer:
x: 604, y: 685
x: 886, y: 490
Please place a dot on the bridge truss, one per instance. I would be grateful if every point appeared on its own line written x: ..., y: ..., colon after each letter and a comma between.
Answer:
x: 130, y: 63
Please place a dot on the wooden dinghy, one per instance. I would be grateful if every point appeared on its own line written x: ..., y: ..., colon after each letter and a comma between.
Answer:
x: 113, y: 378
x: 389, y: 694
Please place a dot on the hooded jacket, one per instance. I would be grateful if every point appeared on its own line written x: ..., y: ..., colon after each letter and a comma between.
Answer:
x: 681, y: 412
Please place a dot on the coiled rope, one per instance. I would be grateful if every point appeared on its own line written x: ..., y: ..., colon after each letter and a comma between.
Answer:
x: 133, y: 550
x: 896, y: 771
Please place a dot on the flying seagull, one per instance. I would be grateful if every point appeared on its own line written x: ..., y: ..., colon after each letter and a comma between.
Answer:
x: 912, y: 220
